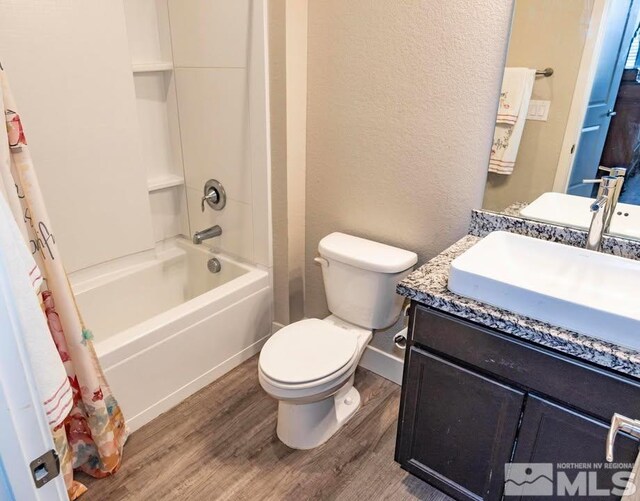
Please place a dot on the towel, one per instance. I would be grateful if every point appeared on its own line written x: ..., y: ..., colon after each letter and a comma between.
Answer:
x: 49, y: 373
x: 517, y: 86
x: 634, y: 487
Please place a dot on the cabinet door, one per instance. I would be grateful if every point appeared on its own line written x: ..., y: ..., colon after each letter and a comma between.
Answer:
x: 457, y: 428
x: 553, y: 434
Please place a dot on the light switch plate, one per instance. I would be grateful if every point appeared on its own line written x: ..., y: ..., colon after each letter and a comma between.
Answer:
x: 538, y: 110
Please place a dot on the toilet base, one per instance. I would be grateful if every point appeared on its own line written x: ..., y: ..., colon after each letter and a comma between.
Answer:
x: 308, y: 425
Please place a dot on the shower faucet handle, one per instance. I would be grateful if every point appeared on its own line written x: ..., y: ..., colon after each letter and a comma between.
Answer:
x: 214, y: 195
x: 211, y: 196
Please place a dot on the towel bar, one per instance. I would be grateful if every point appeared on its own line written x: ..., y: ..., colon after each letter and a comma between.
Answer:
x: 547, y: 72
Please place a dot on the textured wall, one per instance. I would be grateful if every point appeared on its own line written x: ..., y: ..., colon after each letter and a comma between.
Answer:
x: 401, y: 105
x: 278, y: 105
x: 296, y: 15
x: 288, y: 93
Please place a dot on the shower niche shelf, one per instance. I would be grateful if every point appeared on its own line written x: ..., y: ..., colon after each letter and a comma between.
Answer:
x: 152, y: 67
x: 148, y: 32
x: 163, y: 182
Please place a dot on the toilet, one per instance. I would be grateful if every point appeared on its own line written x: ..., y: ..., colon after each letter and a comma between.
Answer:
x: 309, y: 366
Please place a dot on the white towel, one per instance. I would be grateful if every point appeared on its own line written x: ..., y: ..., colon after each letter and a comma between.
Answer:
x: 517, y: 86
x: 49, y: 373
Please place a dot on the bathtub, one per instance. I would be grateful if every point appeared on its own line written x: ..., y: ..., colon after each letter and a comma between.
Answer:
x: 164, y: 326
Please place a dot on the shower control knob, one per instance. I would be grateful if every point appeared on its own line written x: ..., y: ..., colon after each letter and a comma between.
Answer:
x: 211, y: 197
x: 214, y: 195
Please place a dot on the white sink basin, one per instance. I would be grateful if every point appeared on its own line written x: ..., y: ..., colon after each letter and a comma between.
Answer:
x: 570, y: 210
x: 584, y: 291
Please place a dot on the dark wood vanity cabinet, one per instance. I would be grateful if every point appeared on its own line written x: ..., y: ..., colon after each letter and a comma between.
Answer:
x: 551, y: 433
x: 447, y: 408
x: 474, y: 399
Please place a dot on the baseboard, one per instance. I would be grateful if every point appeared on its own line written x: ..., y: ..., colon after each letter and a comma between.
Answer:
x: 189, y: 389
x: 387, y: 365
x: 275, y: 327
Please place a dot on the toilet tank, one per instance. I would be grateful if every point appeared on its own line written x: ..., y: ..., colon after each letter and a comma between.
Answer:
x: 360, y: 278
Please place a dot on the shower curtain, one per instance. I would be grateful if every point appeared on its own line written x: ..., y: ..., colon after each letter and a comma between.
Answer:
x: 93, y: 434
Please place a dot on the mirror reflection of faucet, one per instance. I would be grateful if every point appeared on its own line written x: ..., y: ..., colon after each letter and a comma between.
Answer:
x: 604, y: 206
x: 619, y: 173
x: 206, y: 234
x: 602, y: 209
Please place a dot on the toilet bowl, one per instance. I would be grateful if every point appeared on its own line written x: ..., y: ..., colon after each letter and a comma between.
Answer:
x: 309, y: 366
x: 310, y: 371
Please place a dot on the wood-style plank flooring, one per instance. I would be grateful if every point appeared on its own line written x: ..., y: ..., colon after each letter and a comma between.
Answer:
x: 221, y: 444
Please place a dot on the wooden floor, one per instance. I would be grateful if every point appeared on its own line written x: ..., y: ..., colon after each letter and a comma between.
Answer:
x: 221, y: 444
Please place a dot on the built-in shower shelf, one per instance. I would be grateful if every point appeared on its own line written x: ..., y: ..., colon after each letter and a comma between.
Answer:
x: 164, y: 182
x: 152, y: 67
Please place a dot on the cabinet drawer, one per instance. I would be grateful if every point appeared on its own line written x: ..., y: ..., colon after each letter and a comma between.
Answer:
x: 594, y: 390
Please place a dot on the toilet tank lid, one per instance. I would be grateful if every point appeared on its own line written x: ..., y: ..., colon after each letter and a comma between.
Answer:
x: 365, y: 254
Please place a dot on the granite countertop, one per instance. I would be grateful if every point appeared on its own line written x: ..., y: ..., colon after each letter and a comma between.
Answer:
x: 428, y: 285
x: 514, y: 209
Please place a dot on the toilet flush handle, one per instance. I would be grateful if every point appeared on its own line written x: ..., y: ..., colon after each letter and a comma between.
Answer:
x: 321, y: 261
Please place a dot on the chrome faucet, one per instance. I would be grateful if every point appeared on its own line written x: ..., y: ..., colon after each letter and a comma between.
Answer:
x: 619, y: 173
x: 602, y: 209
x: 206, y: 234
x: 620, y: 423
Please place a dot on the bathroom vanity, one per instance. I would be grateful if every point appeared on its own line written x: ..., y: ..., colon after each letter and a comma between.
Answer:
x: 484, y: 387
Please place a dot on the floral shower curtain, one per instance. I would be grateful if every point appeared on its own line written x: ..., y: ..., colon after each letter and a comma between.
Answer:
x: 93, y: 434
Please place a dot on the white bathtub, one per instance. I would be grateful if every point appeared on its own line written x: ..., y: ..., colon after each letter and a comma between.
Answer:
x: 165, y: 326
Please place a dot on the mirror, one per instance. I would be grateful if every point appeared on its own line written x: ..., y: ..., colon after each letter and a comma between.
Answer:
x: 569, y: 111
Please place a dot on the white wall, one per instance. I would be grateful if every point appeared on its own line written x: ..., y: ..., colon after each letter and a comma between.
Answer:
x: 214, y: 47
x: 401, y: 106
x: 70, y: 70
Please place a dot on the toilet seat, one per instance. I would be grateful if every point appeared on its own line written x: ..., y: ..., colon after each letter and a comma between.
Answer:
x: 308, y: 353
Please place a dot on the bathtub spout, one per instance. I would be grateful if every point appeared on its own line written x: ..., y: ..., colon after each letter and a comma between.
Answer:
x: 206, y: 234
